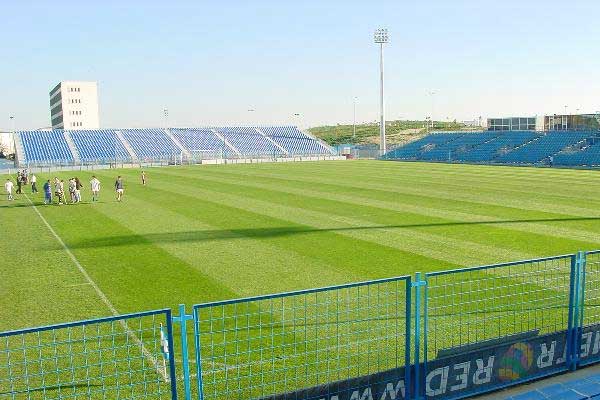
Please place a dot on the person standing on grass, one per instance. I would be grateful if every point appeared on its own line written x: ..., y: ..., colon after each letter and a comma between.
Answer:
x: 47, y: 192
x: 72, y: 190
x: 33, y: 183
x: 143, y: 178
x: 8, y: 186
x: 95, y: 186
x: 78, y: 187
x: 119, y: 188
x: 59, y: 190
x: 19, y: 182
x: 56, y: 184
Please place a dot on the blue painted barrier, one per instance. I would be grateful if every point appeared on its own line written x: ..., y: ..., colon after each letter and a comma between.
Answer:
x: 443, y: 335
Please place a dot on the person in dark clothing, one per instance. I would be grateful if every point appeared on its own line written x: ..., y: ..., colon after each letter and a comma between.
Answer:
x: 119, y: 188
x: 47, y: 192
x: 19, y: 182
x: 78, y: 187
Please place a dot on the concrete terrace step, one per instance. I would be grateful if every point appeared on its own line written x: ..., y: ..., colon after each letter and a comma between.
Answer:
x: 127, y: 146
x: 72, y: 147
x: 177, y: 143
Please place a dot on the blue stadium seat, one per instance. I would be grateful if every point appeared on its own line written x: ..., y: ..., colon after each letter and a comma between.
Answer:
x: 543, y: 147
x: 99, y: 146
x: 151, y: 144
x: 198, y: 139
x: 46, y: 147
x: 587, y: 155
x: 294, y: 141
x: 498, y: 146
x: 569, y: 148
x: 454, y: 149
x: 109, y: 145
x: 414, y: 150
x: 249, y: 142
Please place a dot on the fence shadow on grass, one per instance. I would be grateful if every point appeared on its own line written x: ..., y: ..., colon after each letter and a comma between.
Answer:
x: 265, y: 233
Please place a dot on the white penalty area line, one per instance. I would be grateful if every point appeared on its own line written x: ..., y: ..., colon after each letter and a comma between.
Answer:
x: 160, y: 369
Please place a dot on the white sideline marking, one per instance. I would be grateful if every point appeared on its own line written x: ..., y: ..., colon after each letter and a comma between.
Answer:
x: 101, y: 294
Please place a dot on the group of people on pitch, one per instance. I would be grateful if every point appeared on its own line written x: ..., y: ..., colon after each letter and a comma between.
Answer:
x: 74, y: 186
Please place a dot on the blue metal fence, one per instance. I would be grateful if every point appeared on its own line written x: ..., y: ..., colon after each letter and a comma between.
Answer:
x: 484, y: 325
x: 306, y: 344
x: 589, y: 314
x: 109, y: 358
x: 443, y: 335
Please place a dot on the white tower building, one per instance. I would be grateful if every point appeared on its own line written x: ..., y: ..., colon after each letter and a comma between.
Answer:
x: 74, y: 105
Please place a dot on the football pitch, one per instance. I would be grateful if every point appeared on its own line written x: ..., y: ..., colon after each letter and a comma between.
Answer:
x: 198, y: 234
x: 206, y: 233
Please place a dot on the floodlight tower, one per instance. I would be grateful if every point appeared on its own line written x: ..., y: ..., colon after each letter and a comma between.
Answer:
x: 166, y: 117
x: 354, y: 119
x: 13, y: 133
x: 381, y: 38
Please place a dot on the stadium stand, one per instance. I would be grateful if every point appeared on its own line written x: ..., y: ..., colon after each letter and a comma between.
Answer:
x: 248, y: 141
x: 454, y: 149
x: 542, y: 147
x: 294, y: 141
x: 413, y: 150
x: 587, y: 155
x: 151, y: 144
x: 567, y: 148
x: 99, y: 146
x: 105, y: 146
x: 498, y: 146
x: 46, y: 147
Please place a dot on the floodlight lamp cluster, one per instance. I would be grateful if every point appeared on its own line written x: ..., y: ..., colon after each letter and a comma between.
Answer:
x: 381, y: 35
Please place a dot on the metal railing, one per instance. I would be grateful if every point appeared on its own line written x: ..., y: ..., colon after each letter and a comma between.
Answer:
x: 442, y: 335
x: 108, y: 358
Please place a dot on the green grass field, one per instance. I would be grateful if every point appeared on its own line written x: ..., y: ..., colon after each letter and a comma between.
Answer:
x: 215, y: 232
x: 208, y: 233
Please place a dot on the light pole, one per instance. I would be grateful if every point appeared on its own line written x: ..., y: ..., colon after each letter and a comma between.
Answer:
x: 354, y: 119
x: 252, y: 120
x: 431, y: 93
x: 381, y: 38
x: 12, y: 125
x: 166, y: 115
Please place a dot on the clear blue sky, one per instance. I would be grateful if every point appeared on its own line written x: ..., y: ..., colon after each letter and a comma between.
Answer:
x: 210, y: 61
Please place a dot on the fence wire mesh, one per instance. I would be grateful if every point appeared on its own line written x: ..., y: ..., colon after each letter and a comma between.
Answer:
x: 590, y: 339
x: 482, y: 304
x: 109, y: 358
x: 265, y: 346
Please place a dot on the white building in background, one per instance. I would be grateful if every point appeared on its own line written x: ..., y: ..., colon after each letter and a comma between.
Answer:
x: 6, y: 141
x: 74, y: 105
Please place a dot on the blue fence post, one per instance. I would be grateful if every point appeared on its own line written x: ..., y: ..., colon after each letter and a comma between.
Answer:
x: 582, y: 268
x: 576, y: 303
x: 172, y: 373
x: 417, y: 284
x: 182, y: 319
x: 571, y: 330
x: 407, y: 345
x: 579, y: 309
x: 198, y: 354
